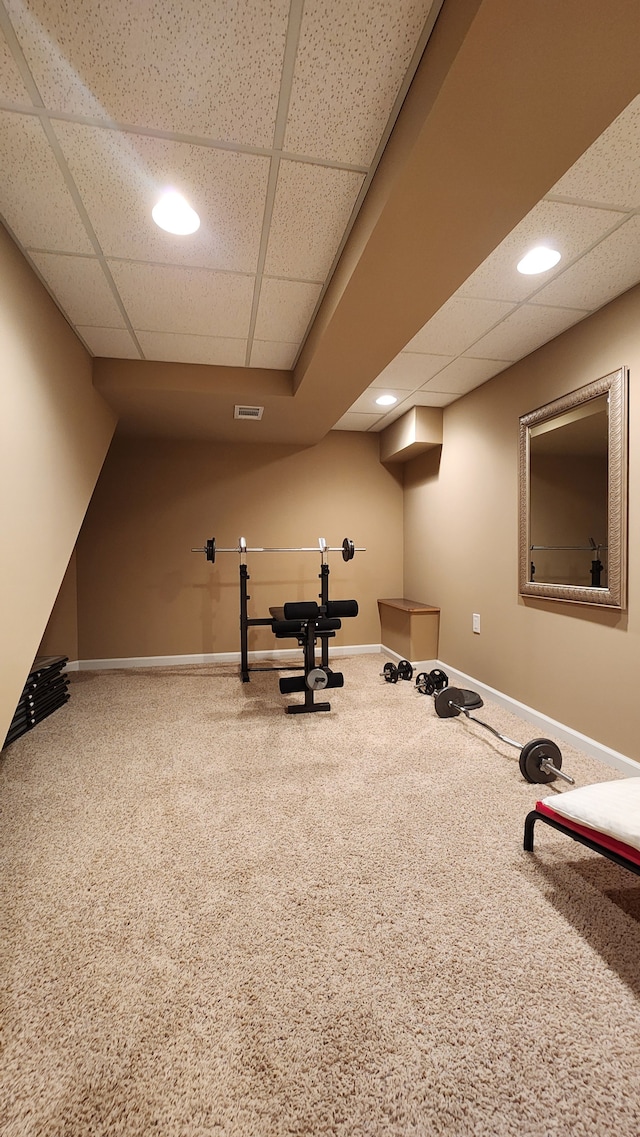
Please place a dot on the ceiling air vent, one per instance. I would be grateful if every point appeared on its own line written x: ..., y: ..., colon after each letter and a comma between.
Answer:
x: 248, y: 412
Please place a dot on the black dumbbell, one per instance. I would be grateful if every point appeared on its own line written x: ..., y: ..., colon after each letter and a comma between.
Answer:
x: 428, y: 684
x: 404, y: 670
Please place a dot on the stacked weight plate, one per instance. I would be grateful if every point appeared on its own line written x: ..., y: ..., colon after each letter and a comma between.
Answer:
x: 44, y: 691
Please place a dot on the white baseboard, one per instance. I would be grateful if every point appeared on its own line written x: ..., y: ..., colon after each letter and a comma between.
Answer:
x: 211, y: 657
x: 582, y: 742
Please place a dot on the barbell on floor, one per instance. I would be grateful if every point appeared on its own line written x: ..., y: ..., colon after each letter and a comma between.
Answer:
x: 540, y: 760
x: 347, y: 548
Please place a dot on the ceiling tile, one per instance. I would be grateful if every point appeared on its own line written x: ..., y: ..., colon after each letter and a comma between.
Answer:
x: 173, y: 348
x: 12, y: 89
x: 81, y: 288
x: 191, y: 301
x: 367, y: 400
x: 457, y: 325
x: 208, y: 69
x: 285, y: 309
x: 303, y: 241
x: 353, y: 421
x: 112, y: 343
x: 571, y: 229
x: 129, y: 171
x: 464, y: 374
x: 34, y: 197
x: 608, y: 173
x: 278, y: 355
x: 433, y: 398
x: 352, y: 58
x: 418, y: 399
x: 605, y: 272
x: 525, y: 330
x: 410, y: 370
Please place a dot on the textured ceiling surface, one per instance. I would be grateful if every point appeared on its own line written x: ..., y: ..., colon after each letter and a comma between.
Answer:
x: 271, y: 117
x: 268, y: 116
x: 592, y: 217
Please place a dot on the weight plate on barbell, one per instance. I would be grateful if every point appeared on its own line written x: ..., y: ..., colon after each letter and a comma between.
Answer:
x: 405, y: 670
x: 390, y: 672
x: 211, y: 549
x: 444, y: 701
x: 471, y: 699
x: 348, y: 549
x: 424, y: 684
x: 439, y: 679
x: 533, y: 754
x: 317, y: 679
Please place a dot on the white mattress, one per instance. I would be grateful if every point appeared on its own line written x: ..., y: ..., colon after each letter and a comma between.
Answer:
x: 608, y: 807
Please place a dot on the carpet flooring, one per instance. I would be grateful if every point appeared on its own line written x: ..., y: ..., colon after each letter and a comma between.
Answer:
x: 218, y: 919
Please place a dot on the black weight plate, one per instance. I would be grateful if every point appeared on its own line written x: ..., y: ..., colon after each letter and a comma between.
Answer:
x: 390, y: 672
x: 211, y: 549
x: 445, y: 698
x: 471, y: 699
x: 405, y: 670
x: 424, y: 684
x: 439, y: 679
x: 348, y: 549
x: 533, y: 753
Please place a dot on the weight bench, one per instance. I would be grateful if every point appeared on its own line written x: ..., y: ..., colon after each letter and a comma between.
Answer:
x: 605, y: 817
x: 309, y: 622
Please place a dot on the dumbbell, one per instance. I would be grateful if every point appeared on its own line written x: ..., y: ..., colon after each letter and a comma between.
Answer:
x: 428, y: 684
x: 391, y: 673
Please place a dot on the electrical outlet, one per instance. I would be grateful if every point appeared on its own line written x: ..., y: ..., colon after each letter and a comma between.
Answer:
x: 476, y: 622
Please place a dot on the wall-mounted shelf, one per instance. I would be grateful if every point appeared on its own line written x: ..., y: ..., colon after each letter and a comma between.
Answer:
x: 409, y: 628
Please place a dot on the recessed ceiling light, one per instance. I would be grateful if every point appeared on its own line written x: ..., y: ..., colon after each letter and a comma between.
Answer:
x: 386, y: 400
x: 538, y: 260
x: 175, y: 214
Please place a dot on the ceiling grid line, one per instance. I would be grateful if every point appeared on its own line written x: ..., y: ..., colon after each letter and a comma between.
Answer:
x: 6, y: 27
x: 429, y: 25
x: 588, y: 204
x: 177, y: 136
x: 530, y: 299
x: 84, y: 216
x: 294, y: 25
x: 32, y: 88
x: 78, y: 179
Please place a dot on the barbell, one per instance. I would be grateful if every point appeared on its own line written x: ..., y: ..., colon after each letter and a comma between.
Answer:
x: 347, y: 548
x: 540, y: 760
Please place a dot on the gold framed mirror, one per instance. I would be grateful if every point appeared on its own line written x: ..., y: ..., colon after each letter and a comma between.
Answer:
x: 573, y: 496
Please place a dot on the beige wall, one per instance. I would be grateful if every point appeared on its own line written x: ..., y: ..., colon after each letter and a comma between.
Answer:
x: 54, y: 433
x: 579, y: 665
x: 61, y: 633
x: 141, y: 592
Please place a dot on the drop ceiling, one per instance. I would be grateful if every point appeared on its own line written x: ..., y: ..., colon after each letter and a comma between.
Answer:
x: 592, y: 217
x: 296, y: 129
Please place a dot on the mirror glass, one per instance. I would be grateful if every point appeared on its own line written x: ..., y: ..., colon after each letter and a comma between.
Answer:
x: 573, y: 496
